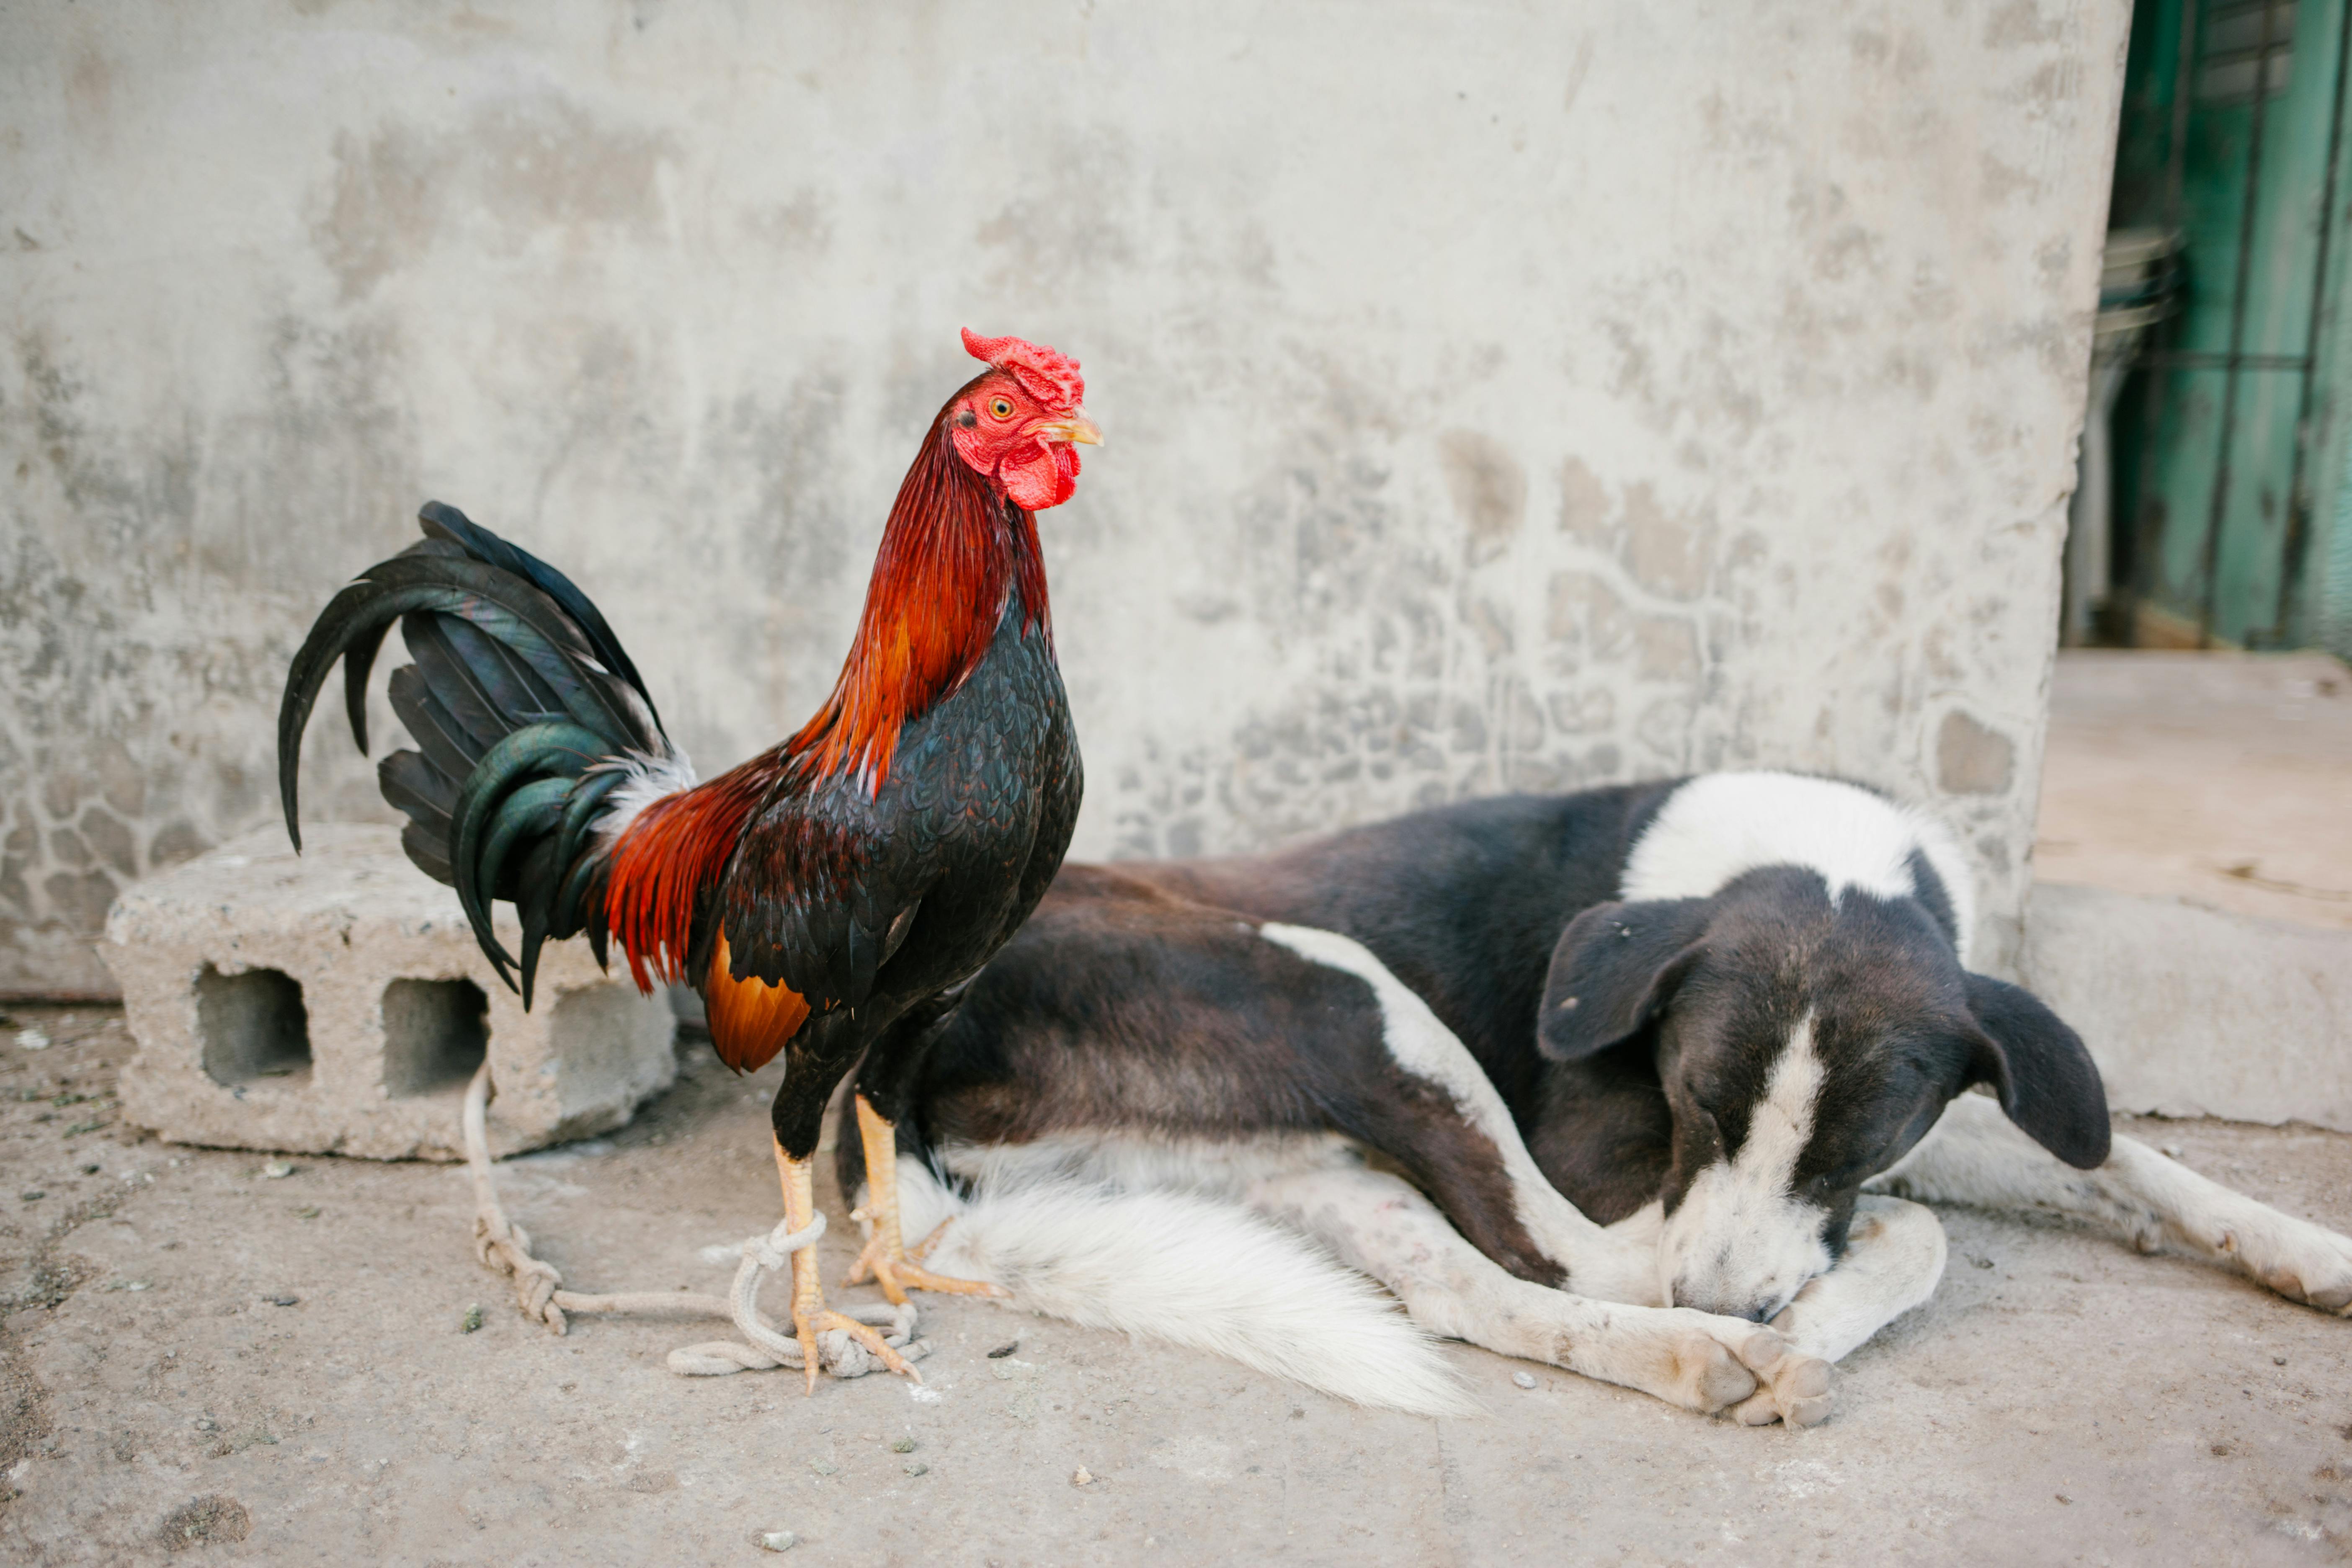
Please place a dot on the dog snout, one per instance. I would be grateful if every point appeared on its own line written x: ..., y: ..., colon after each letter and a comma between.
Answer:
x: 1754, y: 1310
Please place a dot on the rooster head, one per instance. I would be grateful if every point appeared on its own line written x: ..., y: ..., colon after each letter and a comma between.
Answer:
x: 1020, y: 423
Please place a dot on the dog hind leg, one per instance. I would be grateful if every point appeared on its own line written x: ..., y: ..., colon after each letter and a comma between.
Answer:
x: 1976, y: 1156
x: 1381, y: 1225
x: 1591, y: 1260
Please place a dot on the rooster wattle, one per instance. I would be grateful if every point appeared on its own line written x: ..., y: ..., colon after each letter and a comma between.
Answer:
x: 830, y: 897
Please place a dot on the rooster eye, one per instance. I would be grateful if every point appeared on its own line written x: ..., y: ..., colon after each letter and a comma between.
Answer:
x: 1001, y: 406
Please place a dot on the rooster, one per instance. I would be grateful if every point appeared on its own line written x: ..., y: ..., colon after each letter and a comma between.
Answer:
x: 829, y: 898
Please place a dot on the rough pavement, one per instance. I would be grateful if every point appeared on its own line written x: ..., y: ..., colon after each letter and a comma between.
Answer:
x: 204, y: 1363
x: 2219, y: 778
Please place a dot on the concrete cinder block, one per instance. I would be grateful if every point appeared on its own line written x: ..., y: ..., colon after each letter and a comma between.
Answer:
x: 2197, y: 1012
x: 336, y: 1003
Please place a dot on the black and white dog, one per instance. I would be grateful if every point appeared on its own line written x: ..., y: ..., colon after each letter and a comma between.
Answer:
x: 1619, y: 1080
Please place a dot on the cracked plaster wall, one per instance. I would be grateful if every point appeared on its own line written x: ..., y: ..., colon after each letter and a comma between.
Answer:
x: 1499, y: 396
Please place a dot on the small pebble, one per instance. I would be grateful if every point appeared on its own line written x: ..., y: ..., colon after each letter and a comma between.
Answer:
x: 824, y: 1467
x: 917, y: 1467
x: 206, y: 1423
x: 2062, y: 1496
x: 277, y: 1169
x: 2171, y: 1151
x: 472, y: 1320
x: 2278, y: 1361
x: 906, y: 1445
x: 89, y: 1170
x: 780, y: 1541
x: 1006, y: 1349
x: 1081, y: 1477
x: 32, y: 1040
x: 307, y: 1211
x: 33, y: 1195
x: 282, y: 1300
x: 1523, y: 1379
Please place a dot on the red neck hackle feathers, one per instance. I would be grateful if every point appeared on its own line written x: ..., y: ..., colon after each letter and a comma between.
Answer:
x: 951, y: 551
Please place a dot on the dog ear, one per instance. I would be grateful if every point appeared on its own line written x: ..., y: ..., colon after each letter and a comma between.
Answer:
x: 1611, y: 971
x: 2040, y: 1068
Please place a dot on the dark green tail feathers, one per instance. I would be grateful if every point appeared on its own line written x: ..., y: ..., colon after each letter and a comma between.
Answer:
x: 527, y: 714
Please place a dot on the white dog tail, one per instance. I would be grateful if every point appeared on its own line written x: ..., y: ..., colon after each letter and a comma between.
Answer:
x: 1189, y: 1269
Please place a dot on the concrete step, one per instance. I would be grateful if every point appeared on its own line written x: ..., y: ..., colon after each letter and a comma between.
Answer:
x: 2192, y: 1011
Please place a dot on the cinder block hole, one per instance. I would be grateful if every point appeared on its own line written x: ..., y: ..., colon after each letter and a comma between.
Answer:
x: 254, y: 1027
x: 434, y: 1035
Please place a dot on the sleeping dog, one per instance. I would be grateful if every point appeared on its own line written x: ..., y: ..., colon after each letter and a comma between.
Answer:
x: 1621, y: 1080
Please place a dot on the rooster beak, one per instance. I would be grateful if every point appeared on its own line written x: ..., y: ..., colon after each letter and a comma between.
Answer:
x: 1077, y: 427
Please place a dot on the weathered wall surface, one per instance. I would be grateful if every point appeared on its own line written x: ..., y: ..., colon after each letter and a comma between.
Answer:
x: 1498, y: 397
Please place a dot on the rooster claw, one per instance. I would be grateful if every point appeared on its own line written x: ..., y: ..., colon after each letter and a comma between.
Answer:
x: 807, y: 1326
x: 903, y: 1272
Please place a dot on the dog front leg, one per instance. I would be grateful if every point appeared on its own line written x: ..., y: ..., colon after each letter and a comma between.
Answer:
x: 1381, y: 1225
x: 1975, y: 1155
x: 1894, y: 1258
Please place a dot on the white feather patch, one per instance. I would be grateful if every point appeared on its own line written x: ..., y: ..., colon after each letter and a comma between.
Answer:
x: 649, y: 779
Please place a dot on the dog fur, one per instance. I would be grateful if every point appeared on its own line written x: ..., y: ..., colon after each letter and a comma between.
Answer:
x: 1611, y: 1080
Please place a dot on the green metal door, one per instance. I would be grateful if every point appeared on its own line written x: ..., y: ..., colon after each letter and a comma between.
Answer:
x: 2229, y: 465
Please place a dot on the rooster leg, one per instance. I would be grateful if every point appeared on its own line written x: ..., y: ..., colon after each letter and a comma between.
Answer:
x: 810, y: 1317
x: 885, y: 1259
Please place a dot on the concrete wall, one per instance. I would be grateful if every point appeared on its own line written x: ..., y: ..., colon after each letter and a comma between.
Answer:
x: 1498, y: 397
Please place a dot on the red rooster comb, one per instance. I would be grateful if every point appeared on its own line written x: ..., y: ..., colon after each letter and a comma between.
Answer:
x: 1050, y: 377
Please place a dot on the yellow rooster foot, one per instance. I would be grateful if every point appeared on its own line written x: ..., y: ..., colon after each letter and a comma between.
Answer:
x: 818, y: 1318
x: 885, y: 1259
x: 898, y: 1270
x: 810, y: 1317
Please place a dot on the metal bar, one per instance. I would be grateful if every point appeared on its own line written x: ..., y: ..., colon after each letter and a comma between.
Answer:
x: 2145, y: 533
x: 2226, y: 361
x: 2298, y: 506
x: 2184, y: 80
x: 2241, y: 288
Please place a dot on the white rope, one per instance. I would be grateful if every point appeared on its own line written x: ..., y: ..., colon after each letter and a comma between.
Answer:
x: 505, y: 1245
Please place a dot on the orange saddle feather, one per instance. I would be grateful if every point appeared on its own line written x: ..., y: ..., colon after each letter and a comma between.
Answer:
x: 750, y: 1020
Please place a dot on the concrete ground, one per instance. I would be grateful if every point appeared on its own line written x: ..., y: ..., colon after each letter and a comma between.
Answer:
x: 2223, y: 779
x: 205, y: 1363
x: 2191, y: 913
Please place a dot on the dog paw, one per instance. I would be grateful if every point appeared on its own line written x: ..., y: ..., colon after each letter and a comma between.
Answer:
x: 1727, y: 1365
x: 1685, y: 1358
x: 2301, y: 1261
x: 1795, y: 1391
